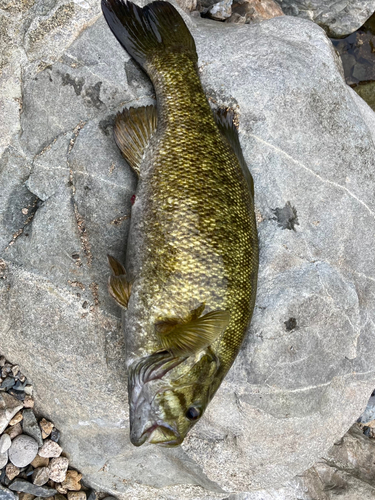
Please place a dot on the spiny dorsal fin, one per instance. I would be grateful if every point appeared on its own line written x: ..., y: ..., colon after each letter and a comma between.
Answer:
x: 224, y: 120
x: 133, y: 130
x: 188, y: 338
x: 118, y: 286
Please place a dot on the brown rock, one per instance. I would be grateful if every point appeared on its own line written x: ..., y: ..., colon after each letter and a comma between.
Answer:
x: 46, y: 427
x: 50, y: 449
x: 14, y: 431
x: 187, y: 5
x: 60, y: 497
x: 26, y: 496
x: 11, y: 471
x: 57, y: 469
x: 28, y: 402
x: 16, y: 419
x: 61, y: 489
x: 40, y: 462
x: 249, y: 11
x: 40, y: 476
x: 76, y: 495
x: 72, y: 481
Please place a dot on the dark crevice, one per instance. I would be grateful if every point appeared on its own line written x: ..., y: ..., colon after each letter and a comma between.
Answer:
x: 28, y: 213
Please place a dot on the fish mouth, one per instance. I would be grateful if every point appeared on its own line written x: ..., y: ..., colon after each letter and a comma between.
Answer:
x: 160, y: 434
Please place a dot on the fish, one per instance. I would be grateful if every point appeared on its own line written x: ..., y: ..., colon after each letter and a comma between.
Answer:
x: 189, y: 282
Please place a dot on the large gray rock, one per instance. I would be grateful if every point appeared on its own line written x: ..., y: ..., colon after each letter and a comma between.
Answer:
x: 306, y: 369
x: 337, y: 18
x: 347, y: 472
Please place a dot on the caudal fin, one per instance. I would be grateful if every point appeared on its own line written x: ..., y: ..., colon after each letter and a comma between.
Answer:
x: 145, y: 32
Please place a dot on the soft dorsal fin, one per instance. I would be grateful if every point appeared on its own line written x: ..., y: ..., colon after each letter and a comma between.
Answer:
x: 185, y: 339
x: 133, y: 130
x: 118, y: 286
x: 224, y: 120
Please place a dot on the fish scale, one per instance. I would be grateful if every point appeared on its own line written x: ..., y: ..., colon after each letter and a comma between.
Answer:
x: 192, y: 239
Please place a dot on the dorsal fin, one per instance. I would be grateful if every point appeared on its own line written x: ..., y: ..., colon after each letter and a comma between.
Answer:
x: 185, y: 339
x: 133, y: 130
x: 224, y: 120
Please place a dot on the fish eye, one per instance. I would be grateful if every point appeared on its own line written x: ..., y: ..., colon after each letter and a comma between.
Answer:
x: 193, y: 413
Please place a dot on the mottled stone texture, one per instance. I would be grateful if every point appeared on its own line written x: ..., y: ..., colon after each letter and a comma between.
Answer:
x: 306, y: 369
x: 338, y: 18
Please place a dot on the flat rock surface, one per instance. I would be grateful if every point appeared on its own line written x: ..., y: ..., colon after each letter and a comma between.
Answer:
x: 338, y: 18
x: 347, y: 472
x: 306, y: 370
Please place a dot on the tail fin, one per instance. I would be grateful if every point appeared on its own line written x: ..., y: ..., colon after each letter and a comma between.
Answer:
x: 158, y: 27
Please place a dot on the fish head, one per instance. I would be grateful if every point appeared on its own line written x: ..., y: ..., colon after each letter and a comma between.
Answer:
x: 168, y: 395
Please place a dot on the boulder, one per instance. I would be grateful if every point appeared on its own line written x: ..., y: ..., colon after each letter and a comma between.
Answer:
x: 306, y: 369
x: 347, y: 472
x: 337, y: 18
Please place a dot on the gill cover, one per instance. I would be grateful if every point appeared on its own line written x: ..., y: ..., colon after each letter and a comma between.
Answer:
x: 168, y: 395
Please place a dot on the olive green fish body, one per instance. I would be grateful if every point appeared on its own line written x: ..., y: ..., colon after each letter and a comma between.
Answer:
x: 192, y: 251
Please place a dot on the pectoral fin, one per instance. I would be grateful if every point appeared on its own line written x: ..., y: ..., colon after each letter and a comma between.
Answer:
x: 133, y: 130
x: 188, y: 338
x: 118, y: 286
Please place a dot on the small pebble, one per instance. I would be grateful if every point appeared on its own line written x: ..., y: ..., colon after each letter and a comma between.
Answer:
x: 50, y: 449
x: 26, y: 496
x: 2, y: 361
x: 9, y: 406
x: 20, y: 395
x: 40, y: 476
x: 60, y: 497
x: 72, y: 481
x: 19, y: 386
x: 40, y: 462
x: 22, y: 378
x: 55, y: 435
x: 23, y: 451
x: 58, y: 468
x: 30, y: 426
x: 29, y: 390
x: 14, y: 431
x: 5, y: 443
x: 11, y: 471
x: 3, y: 459
x: 15, y: 370
x: 6, y: 494
x: 76, y: 495
x: 33, y: 489
x: 46, y: 427
x: 16, y: 419
x: 8, y: 383
x: 61, y: 490
x: 92, y: 495
x: 29, y: 471
x: 28, y: 402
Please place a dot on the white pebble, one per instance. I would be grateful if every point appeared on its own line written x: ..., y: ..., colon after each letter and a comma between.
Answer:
x: 5, y: 443
x: 50, y: 449
x: 23, y: 450
x: 3, y: 459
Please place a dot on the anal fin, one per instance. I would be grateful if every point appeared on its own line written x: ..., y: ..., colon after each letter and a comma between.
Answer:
x: 118, y: 286
x: 133, y: 130
x: 224, y: 120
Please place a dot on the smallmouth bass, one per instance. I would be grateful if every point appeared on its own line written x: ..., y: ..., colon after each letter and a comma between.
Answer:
x: 192, y: 257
